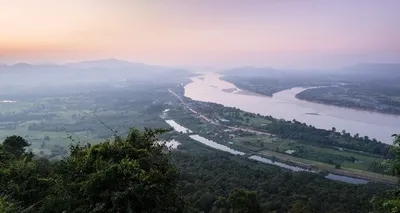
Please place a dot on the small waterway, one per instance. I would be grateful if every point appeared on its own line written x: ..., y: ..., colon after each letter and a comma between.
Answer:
x: 171, y: 144
x: 215, y: 145
x: 178, y: 127
x: 224, y: 148
x: 346, y: 179
x: 282, y: 165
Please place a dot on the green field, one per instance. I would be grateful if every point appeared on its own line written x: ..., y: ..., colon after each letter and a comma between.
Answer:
x: 304, y: 145
x: 329, y: 168
x: 319, y: 154
x: 49, y: 122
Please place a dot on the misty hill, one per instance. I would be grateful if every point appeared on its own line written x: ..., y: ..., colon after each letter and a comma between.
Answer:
x: 253, y: 72
x: 109, y: 64
x: 110, y: 70
x: 365, y: 70
x: 374, y: 69
x: 269, y: 72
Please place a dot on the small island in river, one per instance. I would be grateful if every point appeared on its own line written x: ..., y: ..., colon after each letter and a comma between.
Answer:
x: 230, y: 90
x: 312, y: 113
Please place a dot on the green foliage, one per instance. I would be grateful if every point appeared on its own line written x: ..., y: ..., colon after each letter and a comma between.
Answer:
x: 390, y: 202
x: 387, y: 203
x: 15, y: 145
x: 300, y: 206
x: 292, y: 130
x: 7, y: 207
x: 135, y: 174
x: 129, y: 174
x: 239, y: 201
x: 395, y: 163
x: 222, y: 179
x: 243, y: 201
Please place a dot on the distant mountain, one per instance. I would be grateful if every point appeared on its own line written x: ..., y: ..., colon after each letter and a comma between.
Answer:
x: 375, y: 69
x: 371, y: 70
x: 108, y: 64
x: 24, y: 68
x: 87, y: 71
x: 253, y: 72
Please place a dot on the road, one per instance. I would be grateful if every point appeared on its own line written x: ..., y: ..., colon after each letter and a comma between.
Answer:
x: 214, y: 122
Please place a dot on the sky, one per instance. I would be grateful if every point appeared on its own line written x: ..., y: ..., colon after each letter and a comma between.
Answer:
x: 280, y: 33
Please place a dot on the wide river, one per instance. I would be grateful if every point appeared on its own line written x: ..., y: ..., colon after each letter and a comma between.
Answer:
x: 284, y: 104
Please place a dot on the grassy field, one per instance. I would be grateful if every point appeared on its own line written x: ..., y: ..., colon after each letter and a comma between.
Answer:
x: 329, y: 168
x: 321, y: 156
x: 36, y: 137
x: 48, y: 121
x: 318, y: 154
x: 15, y: 107
x: 51, y: 121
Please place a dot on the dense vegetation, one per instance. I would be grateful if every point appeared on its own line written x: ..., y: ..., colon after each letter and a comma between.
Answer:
x: 124, y: 175
x: 207, y: 182
x: 49, y: 120
x: 390, y: 201
x: 295, y: 130
x: 134, y: 174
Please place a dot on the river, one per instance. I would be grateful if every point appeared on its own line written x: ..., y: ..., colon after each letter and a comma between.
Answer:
x: 284, y: 104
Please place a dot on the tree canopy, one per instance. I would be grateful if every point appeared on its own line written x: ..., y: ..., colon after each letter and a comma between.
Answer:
x: 130, y: 174
x: 390, y: 202
x: 135, y: 174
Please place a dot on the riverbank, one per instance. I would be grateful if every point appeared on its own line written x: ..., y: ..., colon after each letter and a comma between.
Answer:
x: 346, y: 104
x: 359, y: 97
x: 323, y: 167
x: 280, y: 162
x: 284, y: 105
x: 319, y: 167
x: 221, y: 129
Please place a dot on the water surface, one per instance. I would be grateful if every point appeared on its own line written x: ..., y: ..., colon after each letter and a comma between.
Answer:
x: 282, y: 165
x: 171, y: 144
x: 215, y: 145
x: 284, y: 104
x: 224, y: 148
x: 177, y: 127
x: 346, y: 179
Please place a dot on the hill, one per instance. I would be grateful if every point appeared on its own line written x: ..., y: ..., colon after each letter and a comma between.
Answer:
x: 108, y: 71
x: 253, y: 72
x: 373, y: 69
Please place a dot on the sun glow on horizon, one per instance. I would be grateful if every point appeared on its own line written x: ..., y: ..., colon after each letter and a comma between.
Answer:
x: 175, y: 32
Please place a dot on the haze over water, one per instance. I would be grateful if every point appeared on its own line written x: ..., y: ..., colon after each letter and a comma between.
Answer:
x: 225, y: 33
x: 284, y: 105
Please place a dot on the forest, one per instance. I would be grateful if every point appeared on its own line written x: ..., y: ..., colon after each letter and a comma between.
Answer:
x: 136, y: 174
x: 110, y: 168
x: 296, y: 130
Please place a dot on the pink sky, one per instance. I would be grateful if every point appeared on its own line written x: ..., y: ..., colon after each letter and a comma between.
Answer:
x: 283, y: 33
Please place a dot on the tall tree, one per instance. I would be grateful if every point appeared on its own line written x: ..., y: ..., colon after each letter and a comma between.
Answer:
x: 130, y: 174
x: 243, y: 201
x: 15, y: 145
x: 390, y: 202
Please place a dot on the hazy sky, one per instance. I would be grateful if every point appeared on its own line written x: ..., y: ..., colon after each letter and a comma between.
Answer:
x: 285, y: 33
